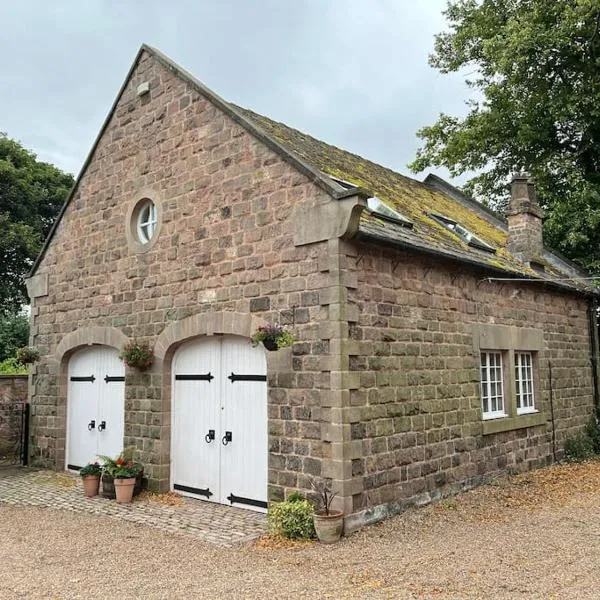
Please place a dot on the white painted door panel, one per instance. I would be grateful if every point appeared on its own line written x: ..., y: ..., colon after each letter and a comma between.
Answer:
x: 229, y: 470
x: 111, y: 409
x: 83, y: 396
x: 93, y: 400
x: 244, y: 401
x: 195, y: 457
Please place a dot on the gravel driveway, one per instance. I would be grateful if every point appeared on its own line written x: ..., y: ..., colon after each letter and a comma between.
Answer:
x: 532, y: 536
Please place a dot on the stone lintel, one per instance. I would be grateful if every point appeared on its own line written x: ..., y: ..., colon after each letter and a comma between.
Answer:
x: 503, y: 337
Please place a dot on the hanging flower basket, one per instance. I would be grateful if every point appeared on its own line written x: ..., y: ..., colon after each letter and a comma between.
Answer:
x: 273, y: 337
x: 137, y: 355
x: 27, y: 355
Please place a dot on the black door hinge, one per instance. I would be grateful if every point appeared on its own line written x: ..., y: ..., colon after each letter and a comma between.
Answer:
x: 206, y: 377
x: 235, y: 377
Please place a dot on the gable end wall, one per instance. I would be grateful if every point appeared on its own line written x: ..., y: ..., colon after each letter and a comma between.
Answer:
x: 225, y: 248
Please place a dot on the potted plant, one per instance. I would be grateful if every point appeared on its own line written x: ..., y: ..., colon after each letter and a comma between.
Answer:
x: 90, y: 476
x: 329, y: 523
x: 124, y: 480
x: 110, y: 467
x: 273, y: 337
x: 137, y: 355
x: 27, y: 355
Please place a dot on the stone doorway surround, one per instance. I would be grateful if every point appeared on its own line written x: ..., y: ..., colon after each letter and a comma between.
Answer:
x: 178, y: 333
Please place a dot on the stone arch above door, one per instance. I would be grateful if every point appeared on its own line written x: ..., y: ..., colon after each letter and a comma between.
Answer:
x: 203, y: 324
x: 86, y: 336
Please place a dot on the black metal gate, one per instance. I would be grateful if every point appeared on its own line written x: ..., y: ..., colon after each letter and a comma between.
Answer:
x: 14, y: 433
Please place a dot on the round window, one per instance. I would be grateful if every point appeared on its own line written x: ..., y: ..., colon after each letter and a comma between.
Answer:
x: 146, y: 221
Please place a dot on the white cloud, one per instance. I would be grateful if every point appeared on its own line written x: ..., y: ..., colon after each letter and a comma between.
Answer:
x: 350, y: 72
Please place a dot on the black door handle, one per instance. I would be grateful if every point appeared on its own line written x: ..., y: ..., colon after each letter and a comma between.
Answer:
x: 91, y: 425
x: 210, y: 436
x: 102, y: 426
x: 227, y: 438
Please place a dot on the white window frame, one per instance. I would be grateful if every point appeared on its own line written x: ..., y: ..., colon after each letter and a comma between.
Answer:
x: 487, y: 370
x: 524, y: 394
x: 146, y: 225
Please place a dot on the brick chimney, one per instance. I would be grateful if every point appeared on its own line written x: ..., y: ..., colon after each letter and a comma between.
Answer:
x: 524, y: 220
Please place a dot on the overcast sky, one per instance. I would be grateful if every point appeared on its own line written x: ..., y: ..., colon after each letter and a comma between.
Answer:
x: 353, y: 73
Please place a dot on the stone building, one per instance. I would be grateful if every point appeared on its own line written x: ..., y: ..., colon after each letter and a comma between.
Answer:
x: 437, y: 344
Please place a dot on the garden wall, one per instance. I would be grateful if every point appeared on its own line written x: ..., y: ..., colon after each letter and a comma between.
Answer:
x: 13, y: 394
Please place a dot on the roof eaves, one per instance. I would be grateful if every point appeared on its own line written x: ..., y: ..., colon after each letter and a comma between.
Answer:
x: 553, y: 256
x: 561, y: 262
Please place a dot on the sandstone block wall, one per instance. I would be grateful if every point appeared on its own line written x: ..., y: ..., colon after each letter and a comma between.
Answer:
x: 417, y: 402
x: 225, y: 247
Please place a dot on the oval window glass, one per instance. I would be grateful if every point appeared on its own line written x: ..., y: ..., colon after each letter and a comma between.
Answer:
x: 146, y: 221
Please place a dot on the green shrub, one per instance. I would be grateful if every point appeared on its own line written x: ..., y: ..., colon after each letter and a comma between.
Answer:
x: 579, y: 447
x: 295, y: 497
x: 592, y: 430
x: 11, y: 366
x: 293, y: 520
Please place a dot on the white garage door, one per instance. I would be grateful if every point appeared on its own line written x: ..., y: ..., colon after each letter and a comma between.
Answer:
x: 96, y: 394
x: 219, y: 422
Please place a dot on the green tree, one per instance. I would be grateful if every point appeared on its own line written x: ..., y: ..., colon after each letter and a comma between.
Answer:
x: 31, y: 194
x: 14, y: 334
x: 534, y: 67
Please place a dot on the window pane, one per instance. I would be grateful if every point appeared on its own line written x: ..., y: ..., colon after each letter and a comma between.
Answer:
x: 492, y: 397
x: 146, y: 221
x: 524, y: 381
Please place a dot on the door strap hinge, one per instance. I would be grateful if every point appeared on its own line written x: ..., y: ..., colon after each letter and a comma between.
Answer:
x: 73, y: 467
x: 109, y: 379
x: 249, y: 501
x: 206, y: 377
x: 90, y: 378
x: 192, y: 490
x: 235, y: 377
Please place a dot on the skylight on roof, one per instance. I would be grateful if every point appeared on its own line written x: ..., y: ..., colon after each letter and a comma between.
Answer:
x: 462, y: 232
x: 383, y: 211
x: 345, y: 184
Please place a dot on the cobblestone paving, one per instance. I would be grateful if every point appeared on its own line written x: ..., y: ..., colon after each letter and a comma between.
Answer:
x: 213, y: 523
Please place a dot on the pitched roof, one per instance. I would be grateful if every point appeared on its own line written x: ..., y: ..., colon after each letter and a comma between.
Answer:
x: 343, y: 174
x: 419, y: 202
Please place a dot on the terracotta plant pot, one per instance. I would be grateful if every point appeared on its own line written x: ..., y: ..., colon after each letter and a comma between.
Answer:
x: 329, y: 527
x: 108, y: 486
x: 124, y: 489
x: 91, y: 485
